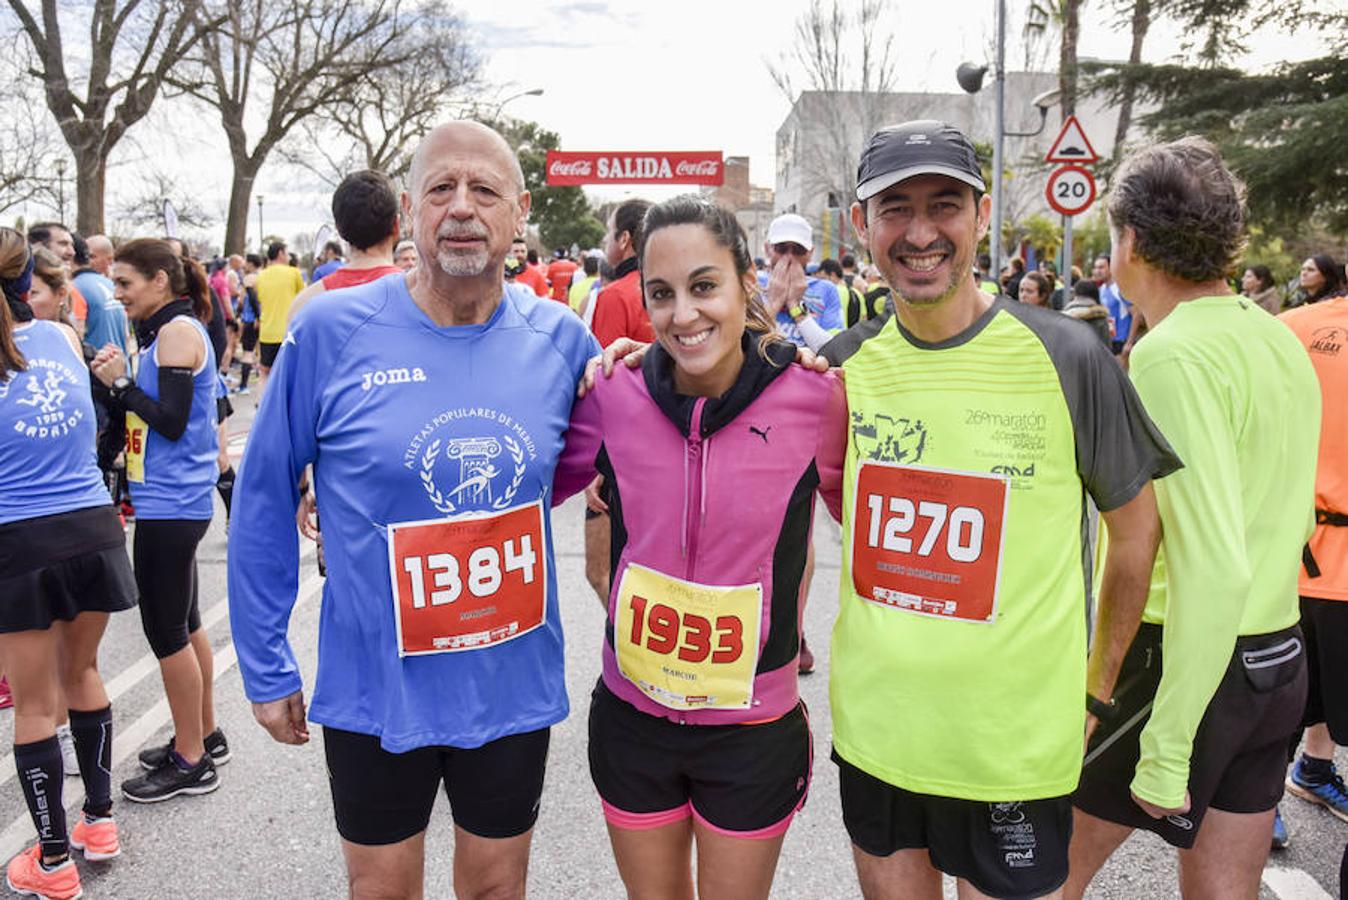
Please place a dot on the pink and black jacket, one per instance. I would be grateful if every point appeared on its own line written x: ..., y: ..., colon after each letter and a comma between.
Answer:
x: 718, y: 491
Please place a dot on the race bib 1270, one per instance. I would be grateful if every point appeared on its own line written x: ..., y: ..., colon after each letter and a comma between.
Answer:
x: 687, y: 645
x: 929, y: 541
x: 470, y: 582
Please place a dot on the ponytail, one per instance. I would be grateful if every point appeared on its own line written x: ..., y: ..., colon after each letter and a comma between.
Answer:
x: 197, y: 288
x: 15, y: 267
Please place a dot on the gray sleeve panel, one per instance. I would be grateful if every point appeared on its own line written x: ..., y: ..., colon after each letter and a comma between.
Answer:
x: 841, y: 348
x: 1119, y: 448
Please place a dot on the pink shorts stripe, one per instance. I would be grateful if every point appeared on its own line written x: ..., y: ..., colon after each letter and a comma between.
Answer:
x: 758, y: 834
x: 621, y: 818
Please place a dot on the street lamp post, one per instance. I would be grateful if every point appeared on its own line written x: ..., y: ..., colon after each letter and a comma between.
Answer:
x: 61, y: 188
x: 496, y: 116
x: 970, y: 78
x: 261, y: 230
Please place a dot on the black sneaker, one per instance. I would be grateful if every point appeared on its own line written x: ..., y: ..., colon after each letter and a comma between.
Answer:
x: 169, y: 781
x: 215, y: 744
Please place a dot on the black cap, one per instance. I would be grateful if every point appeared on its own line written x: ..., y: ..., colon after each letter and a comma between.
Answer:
x: 924, y: 147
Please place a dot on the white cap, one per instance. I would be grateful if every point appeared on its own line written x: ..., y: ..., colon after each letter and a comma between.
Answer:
x: 790, y: 228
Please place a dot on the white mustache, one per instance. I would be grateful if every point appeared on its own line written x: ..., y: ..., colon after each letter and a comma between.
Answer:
x: 454, y: 235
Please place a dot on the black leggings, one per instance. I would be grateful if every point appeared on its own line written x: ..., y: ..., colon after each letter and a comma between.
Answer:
x: 165, y: 554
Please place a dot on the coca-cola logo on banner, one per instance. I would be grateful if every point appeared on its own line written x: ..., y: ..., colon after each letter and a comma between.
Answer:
x: 636, y: 167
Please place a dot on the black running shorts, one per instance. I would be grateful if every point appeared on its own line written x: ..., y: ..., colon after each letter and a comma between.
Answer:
x: 1005, y: 850
x: 1240, y: 750
x: 56, y: 567
x: 383, y: 798
x: 745, y: 781
x: 267, y: 354
x: 248, y: 339
x: 1325, y: 624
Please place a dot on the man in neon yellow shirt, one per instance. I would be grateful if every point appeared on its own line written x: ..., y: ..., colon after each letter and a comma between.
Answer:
x: 1214, y: 685
x: 978, y: 426
x: 580, y: 290
x: 277, y: 287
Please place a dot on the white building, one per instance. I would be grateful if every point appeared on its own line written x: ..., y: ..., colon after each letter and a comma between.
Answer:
x: 819, y: 145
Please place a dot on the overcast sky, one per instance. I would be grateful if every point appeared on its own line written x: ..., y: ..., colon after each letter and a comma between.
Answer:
x: 642, y: 75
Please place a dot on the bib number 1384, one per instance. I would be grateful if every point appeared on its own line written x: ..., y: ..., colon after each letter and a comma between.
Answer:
x: 928, y: 541
x: 468, y: 583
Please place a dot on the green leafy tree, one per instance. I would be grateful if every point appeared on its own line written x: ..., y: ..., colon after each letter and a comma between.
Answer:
x: 562, y: 214
x: 1283, y: 131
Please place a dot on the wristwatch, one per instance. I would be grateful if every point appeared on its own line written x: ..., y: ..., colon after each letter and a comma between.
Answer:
x: 796, y: 312
x: 120, y: 385
x: 1102, y: 710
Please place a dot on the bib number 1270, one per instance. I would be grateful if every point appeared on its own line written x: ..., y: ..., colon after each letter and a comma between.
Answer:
x: 929, y: 541
x: 962, y: 526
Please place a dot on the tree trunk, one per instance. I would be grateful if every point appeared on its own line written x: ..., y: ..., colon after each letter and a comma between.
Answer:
x: 1067, y: 59
x: 240, y: 204
x: 91, y: 170
x: 1141, y: 23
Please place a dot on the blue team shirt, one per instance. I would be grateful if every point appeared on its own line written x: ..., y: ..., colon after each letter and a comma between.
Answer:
x: 48, y: 464
x: 328, y: 268
x: 822, y: 301
x: 179, y: 476
x: 1120, y: 310
x: 106, y: 318
x: 388, y: 406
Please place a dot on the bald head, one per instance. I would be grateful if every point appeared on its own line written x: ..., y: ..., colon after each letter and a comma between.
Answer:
x: 466, y: 138
x: 100, y: 253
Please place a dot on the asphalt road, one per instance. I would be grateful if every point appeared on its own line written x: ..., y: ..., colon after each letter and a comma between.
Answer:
x: 268, y: 831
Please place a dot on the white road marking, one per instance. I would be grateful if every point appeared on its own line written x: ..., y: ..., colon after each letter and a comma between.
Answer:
x: 1294, y: 884
x: 126, y: 741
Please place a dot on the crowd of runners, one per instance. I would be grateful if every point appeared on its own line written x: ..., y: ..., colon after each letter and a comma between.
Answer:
x: 1094, y: 568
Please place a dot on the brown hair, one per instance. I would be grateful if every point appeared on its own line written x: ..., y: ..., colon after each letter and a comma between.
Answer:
x: 1043, y: 284
x: 13, y: 260
x: 48, y: 267
x: 186, y: 277
x: 725, y: 229
x: 1186, y: 207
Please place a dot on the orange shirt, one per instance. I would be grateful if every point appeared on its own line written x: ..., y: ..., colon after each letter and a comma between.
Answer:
x: 619, y: 311
x: 559, y: 273
x: 1323, y: 328
x: 533, y: 277
x: 79, y: 307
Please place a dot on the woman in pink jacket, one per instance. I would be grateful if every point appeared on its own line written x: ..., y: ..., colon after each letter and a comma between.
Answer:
x: 714, y: 448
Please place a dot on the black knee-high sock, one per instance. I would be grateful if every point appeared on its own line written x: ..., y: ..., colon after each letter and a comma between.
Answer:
x: 245, y: 370
x: 41, y: 775
x: 93, y: 745
x: 225, y: 485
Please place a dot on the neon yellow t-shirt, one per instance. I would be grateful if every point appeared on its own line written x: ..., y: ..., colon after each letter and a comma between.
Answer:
x: 959, y: 653
x: 277, y: 287
x: 1235, y: 393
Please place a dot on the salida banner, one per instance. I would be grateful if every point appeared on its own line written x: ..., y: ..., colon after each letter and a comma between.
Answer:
x: 636, y: 167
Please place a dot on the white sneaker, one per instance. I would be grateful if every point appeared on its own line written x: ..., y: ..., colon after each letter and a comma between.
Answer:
x: 70, y: 760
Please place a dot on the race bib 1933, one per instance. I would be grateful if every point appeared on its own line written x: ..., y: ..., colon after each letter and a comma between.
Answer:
x: 137, y: 432
x: 686, y: 645
x: 469, y: 582
x: 929, y: 541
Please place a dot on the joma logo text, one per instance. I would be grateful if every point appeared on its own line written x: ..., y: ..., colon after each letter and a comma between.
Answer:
x: 382, y: 377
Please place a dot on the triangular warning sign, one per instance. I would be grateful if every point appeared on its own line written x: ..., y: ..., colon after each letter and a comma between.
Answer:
x: 1072, y: 145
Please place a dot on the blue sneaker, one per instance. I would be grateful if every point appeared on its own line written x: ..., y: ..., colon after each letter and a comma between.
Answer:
x: 1331, y: 794
x: 1280, y: 839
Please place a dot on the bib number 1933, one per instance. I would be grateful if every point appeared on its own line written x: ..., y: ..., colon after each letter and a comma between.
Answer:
x: 928, y: 541
x: 468, y: 583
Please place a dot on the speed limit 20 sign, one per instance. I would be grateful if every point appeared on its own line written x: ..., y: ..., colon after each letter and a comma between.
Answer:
x: 1071, y: 190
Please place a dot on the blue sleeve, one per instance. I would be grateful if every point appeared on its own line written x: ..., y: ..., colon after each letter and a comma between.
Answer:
x: 826, y: 306
x: 263, y: 539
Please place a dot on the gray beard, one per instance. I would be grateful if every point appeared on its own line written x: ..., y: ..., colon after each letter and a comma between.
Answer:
x: 463, y: 264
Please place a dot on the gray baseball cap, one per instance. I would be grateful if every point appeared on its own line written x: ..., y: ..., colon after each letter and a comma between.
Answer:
x: 924, y: 147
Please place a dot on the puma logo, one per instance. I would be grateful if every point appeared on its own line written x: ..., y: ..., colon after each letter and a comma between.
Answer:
x: 763, y: 433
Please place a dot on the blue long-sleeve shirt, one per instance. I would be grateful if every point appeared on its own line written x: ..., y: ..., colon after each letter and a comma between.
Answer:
x: 404, y: 421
